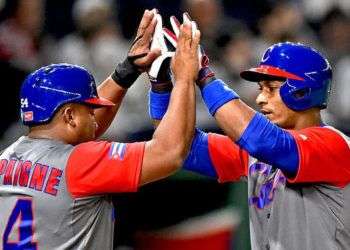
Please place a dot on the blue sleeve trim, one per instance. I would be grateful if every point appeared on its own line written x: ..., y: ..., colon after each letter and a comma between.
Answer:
x: 216, y: 94
x: 158, y: 104
x: 270, y: 144
x: 198, y: 160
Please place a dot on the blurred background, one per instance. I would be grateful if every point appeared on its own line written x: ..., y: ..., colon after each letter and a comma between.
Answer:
x: 185, y: 211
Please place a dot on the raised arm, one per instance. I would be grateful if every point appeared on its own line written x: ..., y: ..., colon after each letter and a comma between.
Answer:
x: 247, y: 128
x: 211, y: 155
x: 171, y: 140
x: 138, y: 60
x: 122, y: 167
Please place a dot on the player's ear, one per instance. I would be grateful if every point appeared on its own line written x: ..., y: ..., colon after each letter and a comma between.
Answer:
x: 68, y: 113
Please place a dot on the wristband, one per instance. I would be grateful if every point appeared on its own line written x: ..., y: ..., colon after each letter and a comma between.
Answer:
x: 217, y: 93
x: 158, y: 104
x: 205, y: 76
x: 161, y: 87
x: 126, y: 72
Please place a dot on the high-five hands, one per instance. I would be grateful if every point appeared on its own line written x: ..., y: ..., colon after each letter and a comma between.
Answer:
x: 205, y: 74
x: 159, y: 73
x: 185, y: 63
x: 140, y: 55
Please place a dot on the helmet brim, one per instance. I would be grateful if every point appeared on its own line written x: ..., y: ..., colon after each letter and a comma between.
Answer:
x: 99, y: 102
x: 266, y: 72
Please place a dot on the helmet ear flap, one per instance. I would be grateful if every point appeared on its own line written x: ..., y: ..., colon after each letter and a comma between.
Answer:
x: 295, y: 98
x: 301, y: 93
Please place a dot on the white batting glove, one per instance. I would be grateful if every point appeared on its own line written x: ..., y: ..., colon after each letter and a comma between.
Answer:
x: 158, y: 41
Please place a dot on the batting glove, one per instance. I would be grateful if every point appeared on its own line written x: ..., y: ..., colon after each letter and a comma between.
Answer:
x: 159, y: 72
x: 205, y: 73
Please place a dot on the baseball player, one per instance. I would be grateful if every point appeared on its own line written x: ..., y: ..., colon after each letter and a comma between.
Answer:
x: 297, y: 168
x: 54, y: 182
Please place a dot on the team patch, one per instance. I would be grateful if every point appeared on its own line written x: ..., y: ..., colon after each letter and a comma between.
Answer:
x: 28, y: 116
x: 117, y: 150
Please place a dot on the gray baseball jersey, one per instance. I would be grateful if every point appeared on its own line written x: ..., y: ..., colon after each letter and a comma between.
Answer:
x: 55, y: 196
x: 310, y: 211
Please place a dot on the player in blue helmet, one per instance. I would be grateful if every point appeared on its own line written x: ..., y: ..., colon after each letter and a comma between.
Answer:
x: 297, y: 168
x: 47, y: 89
x: 307, y: 74
x: 56, y: 182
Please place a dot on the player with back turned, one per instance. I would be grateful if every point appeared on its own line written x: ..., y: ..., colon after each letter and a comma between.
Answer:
x: 54, y: 182
x: 297, y: 168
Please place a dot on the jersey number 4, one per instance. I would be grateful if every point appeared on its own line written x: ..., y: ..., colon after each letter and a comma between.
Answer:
x: 22, y: 217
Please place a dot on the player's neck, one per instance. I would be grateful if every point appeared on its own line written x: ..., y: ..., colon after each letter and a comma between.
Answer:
x: 308, y: 118
x: 50, y: 131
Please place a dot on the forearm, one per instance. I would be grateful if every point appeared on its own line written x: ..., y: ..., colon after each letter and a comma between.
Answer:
x: 165, y: 153
x: 234, y: 117
x: 179, y: 119
x: 191, y: 118
x: 104, y: 116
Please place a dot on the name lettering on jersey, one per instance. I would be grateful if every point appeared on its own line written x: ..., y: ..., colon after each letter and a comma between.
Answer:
x: 268, y: 180
x: 35, y: 176
x: 8, y: 172
x: 38, y: 177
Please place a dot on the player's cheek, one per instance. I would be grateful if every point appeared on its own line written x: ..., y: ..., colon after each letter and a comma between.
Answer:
x: 284, y: 116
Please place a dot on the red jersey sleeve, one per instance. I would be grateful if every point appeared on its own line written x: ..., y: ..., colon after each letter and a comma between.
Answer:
x: 229, y: 160
x: 324, y: 156
x: 104, y: 167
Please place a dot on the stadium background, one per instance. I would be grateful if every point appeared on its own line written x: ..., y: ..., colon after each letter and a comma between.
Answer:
x: 96, y: 34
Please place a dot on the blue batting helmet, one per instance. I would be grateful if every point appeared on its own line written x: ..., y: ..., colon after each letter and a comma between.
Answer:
x: 307, y: 74
x: 48, y: 88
